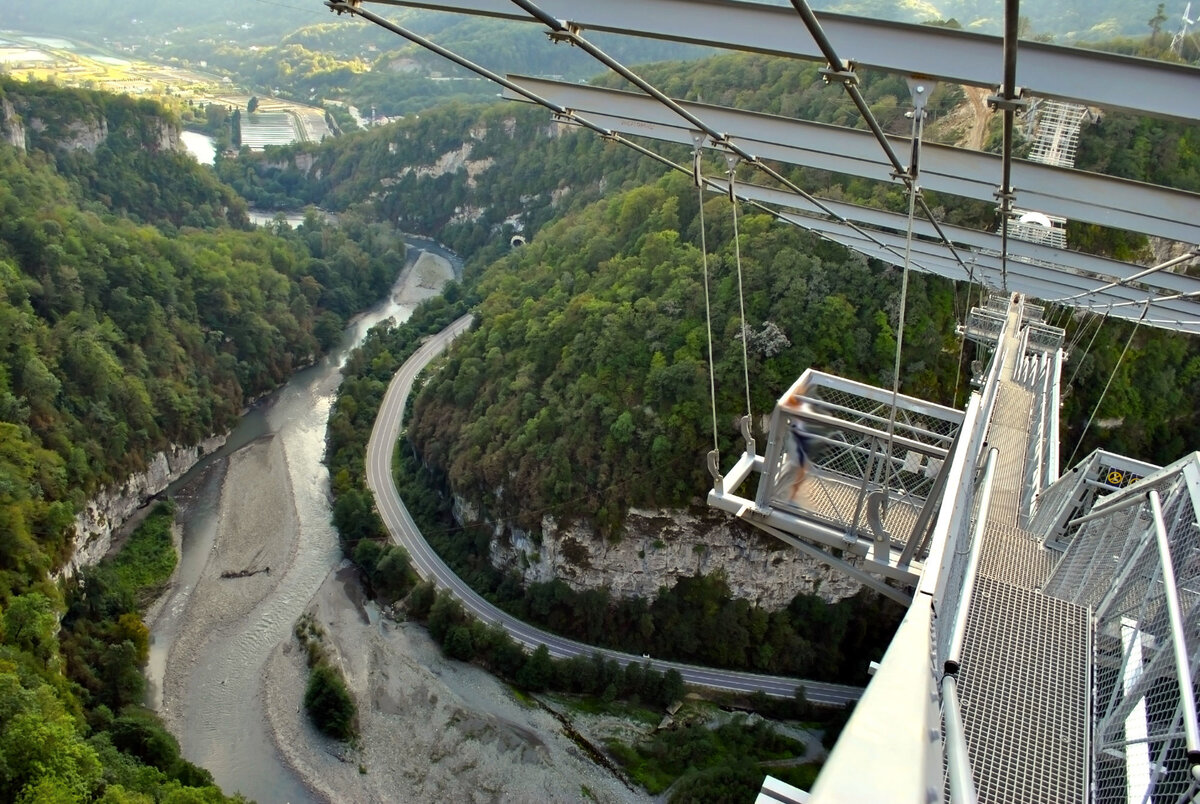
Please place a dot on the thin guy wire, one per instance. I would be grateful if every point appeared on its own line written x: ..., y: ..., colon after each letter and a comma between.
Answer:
x: 1111, y: 377
x: 737, y: 251
x: 712, y: 370
x: 1124, y: 282
x: 1088, y: 349
x: 912, y: 201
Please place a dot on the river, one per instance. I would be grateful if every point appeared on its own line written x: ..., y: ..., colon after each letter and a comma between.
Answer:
x: 201, y: 146
x: 222, y: 726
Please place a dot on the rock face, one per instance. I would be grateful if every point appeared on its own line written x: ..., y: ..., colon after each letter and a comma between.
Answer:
x: 108, y: 510
x: 661, y: 546
x: 84, y: 134
x: 12, y: 130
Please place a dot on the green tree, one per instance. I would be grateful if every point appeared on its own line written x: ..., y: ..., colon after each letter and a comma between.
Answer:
x: 329, y: 703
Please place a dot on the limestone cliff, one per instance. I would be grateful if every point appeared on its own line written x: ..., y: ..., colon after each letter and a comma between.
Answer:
x: 658, y: 548
x: 85, y: 134
x: 104, y: 514
x: 12, y: 130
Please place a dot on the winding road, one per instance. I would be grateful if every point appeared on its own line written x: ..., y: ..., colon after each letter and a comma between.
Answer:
x: 429, y: 565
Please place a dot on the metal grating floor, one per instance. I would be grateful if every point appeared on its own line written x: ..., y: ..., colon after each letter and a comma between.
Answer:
x: 1024, y: 687
x: 833, y: 499
x: 1024, y: 678
x: 1014, y: 556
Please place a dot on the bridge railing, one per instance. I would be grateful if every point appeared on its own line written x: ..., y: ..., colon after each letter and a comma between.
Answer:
x: 1044, y: 337
x: 1041, y: 459
x: 873, y: 466
x: 984, y: 325
x: 1083, y: 485
x: 1135, y: 561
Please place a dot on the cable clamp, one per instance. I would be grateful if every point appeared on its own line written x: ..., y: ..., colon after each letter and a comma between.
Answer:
x: 847, y: 76
x: 1014, y: 104
x: 568, y: 32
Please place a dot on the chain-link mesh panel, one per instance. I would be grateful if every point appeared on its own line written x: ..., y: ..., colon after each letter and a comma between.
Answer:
x: 855, y: 470
x: 1073, y: 494
x: 1045, y: 336
x: 1114, y: 566
x: 984, y: 325
x: 1050, y: 503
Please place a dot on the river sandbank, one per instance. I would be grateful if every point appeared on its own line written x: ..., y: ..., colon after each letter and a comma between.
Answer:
x: 234, y: 675
x: 431, y: 729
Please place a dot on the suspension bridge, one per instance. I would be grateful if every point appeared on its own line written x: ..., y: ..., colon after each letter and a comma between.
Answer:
x: 1052, y: 637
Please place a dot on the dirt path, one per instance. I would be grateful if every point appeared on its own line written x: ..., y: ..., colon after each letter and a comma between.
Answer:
x: 977, y: 96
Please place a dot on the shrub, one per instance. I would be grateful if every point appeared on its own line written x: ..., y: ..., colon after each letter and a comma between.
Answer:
x: 329, y: 702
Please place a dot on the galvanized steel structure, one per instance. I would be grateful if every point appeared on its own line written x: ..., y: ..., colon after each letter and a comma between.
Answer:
x: 1052, y: 639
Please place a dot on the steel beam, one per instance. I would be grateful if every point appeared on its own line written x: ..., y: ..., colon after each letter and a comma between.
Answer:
x: 1053, y: 71
x: 1072, y: 262
x: 1073, y: 194
x: 1034, y: 280
x: 1051, y: 278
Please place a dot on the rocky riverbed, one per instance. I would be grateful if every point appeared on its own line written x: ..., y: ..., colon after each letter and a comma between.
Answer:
x: 233, y: 674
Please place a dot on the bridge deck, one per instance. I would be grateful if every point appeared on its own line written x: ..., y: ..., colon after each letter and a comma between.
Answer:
x: 1024, y: 675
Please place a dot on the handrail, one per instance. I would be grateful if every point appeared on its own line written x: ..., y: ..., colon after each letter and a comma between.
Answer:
x: 958, y: 761
x: 954, y: 657
x: 1183, y: 672
x: 1102, y: 508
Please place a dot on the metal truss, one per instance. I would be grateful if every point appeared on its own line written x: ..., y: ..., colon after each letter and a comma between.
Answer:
x: 1035, y: 270
x: 981, y: 245
x: 1053, y: 71
x: 1074, y: 194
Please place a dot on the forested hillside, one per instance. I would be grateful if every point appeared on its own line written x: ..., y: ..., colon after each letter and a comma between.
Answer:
x: 117, y: 339
x: 121, y: 154
x: 585, y: 388
x: 513, y: 167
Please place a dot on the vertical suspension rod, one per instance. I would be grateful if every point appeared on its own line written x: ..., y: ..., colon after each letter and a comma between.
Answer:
x: 1008, y: 96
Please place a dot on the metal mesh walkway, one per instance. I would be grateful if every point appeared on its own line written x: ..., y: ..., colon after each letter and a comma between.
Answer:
x: 1024, y: 677
x: 1024, y: 692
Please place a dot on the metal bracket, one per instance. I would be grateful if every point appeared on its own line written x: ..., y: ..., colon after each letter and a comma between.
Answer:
x: 920, y: 87
x: 1006, y: 197
x: 846, y: 76
x: 697, y: 175
x: 569, y: 33
x: 732, y: 159
x: 747, y: 434
x: 714, y: 465
x: 1003, y: 104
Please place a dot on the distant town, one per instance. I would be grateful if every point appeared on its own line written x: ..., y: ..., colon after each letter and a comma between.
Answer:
x: 112, y: 68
